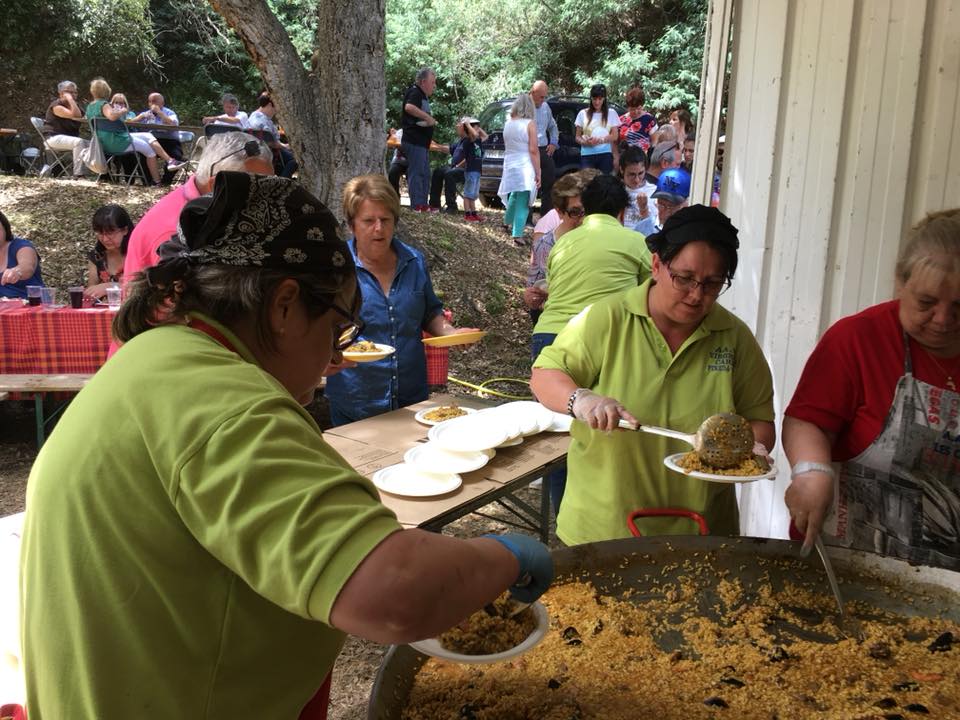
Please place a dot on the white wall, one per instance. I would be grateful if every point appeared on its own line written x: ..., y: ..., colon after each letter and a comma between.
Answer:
x: 843, y: 129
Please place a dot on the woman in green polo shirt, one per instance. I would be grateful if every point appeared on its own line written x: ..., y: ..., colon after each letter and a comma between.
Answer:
x: 664, y: 353
x: 192, y: 547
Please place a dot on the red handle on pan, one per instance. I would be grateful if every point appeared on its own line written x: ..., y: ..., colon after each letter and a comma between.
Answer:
x: 665, y: 512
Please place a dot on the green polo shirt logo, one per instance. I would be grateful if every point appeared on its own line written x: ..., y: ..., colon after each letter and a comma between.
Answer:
x: 720, y: 360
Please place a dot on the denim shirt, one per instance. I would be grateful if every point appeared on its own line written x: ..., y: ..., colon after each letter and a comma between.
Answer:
x: 396, y: 319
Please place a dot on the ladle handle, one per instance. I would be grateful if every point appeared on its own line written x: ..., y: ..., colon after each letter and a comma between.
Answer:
x: 666, y: 432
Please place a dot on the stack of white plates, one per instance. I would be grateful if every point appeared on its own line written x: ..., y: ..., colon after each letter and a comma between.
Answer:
x: 465, y: 444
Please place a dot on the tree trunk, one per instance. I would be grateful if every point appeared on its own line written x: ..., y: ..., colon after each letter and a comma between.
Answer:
x: 334, y: 114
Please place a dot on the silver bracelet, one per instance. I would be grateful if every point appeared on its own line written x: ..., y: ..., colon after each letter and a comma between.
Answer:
x: 805, y: 466
x: 572, y: 399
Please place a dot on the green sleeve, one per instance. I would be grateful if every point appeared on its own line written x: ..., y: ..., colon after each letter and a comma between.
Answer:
x: 275, y: 504
x: 578, y: 349
x: 752, y: 382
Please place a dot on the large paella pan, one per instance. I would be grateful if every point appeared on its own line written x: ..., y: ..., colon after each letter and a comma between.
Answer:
x: 690, y: 627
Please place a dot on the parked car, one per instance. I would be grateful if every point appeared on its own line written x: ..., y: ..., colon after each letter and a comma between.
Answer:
x: 566, y: 158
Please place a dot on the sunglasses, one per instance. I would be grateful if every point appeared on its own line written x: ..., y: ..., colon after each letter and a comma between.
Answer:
x: 251, y: 148
x: 575, y: 212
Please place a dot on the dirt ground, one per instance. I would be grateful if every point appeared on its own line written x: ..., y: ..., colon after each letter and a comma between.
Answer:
x: 476, y: 270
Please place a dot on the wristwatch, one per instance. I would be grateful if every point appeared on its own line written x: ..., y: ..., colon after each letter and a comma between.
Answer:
x: 805, y: 466
x: 572, y: 399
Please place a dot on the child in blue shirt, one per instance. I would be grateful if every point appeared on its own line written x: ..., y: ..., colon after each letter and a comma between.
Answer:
x: 469, y: 155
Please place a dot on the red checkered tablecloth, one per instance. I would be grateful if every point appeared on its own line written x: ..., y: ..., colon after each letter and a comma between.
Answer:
x: 34, y: 341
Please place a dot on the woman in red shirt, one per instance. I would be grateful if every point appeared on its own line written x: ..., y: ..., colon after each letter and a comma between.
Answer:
x: 873, y: 430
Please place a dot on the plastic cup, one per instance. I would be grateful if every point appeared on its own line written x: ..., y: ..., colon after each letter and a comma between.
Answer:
x: 33, y: 294
x: 114, y: 296
x: 48, y: 296
x: 76, y: 297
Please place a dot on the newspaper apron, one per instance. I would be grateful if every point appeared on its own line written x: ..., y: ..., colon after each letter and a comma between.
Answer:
x: 901, y: 496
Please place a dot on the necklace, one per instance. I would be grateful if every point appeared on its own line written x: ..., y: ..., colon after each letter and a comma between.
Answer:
x: 951, y: 384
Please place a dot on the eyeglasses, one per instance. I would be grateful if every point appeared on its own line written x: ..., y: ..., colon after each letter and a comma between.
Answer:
x: 575, y: 212
x: 685, y: 283
x: 251, y: 148
x: 345, y: 332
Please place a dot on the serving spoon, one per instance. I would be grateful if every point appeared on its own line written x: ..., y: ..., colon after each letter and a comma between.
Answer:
x: 722, y: 441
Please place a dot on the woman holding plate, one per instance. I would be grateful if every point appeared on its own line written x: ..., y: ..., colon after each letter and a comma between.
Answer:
x: 398, y: 305
x: 664, y: 353
x: 209, y: 554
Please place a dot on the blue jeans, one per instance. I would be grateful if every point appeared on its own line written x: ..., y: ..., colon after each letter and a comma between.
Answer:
x: 518, y: 205
x: 418, y: 173
x: 556, y: 480
x: 601, y: 161
x: 288, y: 166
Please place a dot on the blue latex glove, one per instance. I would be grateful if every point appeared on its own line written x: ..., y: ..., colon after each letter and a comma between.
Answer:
x: 536, y: 565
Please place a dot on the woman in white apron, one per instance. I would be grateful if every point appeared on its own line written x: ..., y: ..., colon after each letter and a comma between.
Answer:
x: 521, y: 166
x: 873, y: 430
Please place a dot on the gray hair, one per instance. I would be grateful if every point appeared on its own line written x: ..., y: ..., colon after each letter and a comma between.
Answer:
x: 65, y: 85
x: 229, y: 98
x: 523, y: 107
x: 934, y: 242
x: 225, y: 150
x: 423, y: 73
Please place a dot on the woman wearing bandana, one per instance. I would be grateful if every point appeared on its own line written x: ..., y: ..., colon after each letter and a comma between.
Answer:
x: 192, y: 547
x: 873, y: 429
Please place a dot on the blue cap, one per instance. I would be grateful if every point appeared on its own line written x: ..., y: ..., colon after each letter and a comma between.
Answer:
x: 673, y: 185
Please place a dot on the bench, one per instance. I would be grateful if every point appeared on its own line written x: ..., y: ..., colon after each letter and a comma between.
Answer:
x: 39, y: 386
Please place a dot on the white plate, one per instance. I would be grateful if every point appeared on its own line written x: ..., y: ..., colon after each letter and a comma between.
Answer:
x: 362, y: 357
x: 419, y: 417
x: 480, y: 431
x: 407, y: 480
x: 511, y: 443
x: 671, y: 462
x: 561, y: 423
x: 533, y: 416
x: 432, y: 458
x: 433, y: 647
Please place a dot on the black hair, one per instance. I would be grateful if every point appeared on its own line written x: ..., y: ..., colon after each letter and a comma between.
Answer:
x: 264, y: 100
x: 605, y: 195
x: 112, y: 217
x: 632, y: 155
x: 599, y: 91
x: 8, y: 233
x: 697, y: 223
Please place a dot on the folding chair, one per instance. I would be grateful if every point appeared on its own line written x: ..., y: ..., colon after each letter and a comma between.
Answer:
x: 188, y: 142
x: 123, y: 167
x: 53, y: 159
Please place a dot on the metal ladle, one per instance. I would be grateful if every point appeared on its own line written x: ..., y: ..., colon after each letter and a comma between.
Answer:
x: 722, y: 441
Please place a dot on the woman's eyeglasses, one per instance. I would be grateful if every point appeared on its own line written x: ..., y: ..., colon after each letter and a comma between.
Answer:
x: 686, y: 283
x: 345, y: 332
x: 575, y: 212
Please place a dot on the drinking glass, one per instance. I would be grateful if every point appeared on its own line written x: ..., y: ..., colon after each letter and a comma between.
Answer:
x: 114, y: 296
x: 76, y: 297
x: 48, y: 296
x: 33, y: 294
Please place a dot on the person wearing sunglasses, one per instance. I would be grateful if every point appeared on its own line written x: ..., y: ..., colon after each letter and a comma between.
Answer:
x: 398, y: 305
x: 664, y: 353
x: 209, y: 551
x: 568, y: 207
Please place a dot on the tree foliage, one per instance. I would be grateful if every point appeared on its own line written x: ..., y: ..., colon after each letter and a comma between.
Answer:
x: 481, y: 51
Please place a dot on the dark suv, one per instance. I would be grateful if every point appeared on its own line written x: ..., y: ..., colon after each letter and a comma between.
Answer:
x: 566, y: 158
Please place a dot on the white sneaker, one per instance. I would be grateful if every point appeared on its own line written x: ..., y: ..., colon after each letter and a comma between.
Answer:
x: 174, y: 165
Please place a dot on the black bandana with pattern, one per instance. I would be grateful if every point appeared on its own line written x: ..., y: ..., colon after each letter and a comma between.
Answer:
x: 254, y: 221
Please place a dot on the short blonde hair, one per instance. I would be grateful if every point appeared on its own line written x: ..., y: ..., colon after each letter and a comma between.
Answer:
x: 934, y: 242
x: 119, y: 98
x: 100, y: 89
x: 369, y: 187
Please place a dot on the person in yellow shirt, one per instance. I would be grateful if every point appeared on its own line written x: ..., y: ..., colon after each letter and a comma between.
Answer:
x: 664, y: 353
x: 192, y: 547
